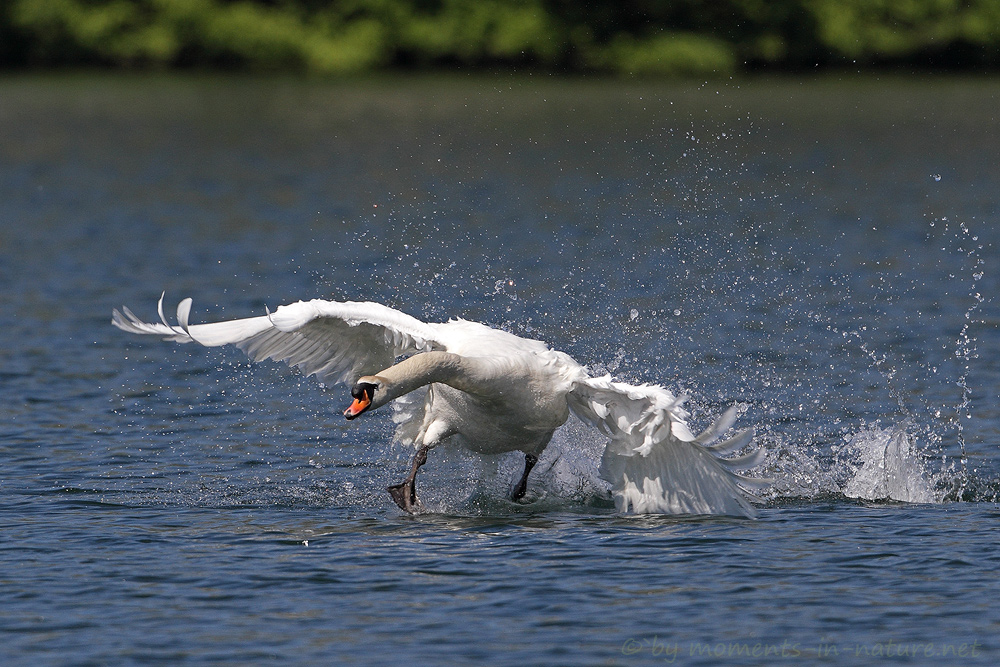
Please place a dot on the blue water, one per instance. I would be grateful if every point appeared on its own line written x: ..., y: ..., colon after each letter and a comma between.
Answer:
x: 821, y: 253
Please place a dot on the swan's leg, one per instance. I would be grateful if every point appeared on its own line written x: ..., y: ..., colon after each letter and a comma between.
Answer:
x: 529, y: 462
x: 405, y: 493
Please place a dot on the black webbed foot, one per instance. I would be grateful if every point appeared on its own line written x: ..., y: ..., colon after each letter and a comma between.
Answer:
x: 522, y: 486
x: 405, y: 493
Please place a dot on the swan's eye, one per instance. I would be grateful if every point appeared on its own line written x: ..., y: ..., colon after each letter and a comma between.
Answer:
x: 364, y: 390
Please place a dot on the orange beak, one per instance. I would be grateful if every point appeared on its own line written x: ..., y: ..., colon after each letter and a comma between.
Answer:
x: 358, y: 406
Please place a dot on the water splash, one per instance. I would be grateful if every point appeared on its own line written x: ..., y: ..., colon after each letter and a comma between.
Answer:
x: 965, y: 352
x: 565, y: 478
x: 891, y: 467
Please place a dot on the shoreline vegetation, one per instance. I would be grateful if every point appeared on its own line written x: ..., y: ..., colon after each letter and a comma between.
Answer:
x: 643, y: 38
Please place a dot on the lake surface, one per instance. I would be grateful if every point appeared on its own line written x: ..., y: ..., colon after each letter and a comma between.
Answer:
x: 823, y: 254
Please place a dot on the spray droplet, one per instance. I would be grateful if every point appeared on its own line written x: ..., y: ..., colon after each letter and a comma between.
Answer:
x: 936, y: 177
x: 633, y: 314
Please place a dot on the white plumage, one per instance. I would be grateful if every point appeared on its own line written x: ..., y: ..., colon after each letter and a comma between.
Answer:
x: 493, y: 391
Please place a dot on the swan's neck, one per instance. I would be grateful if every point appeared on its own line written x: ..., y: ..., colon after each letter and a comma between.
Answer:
x: 420, y: 370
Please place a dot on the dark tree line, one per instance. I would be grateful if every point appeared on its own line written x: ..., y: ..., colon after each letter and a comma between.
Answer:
x: 632, y: 37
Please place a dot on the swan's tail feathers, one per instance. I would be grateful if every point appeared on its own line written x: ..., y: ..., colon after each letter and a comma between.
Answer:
x: 678, y: 477
x: 733, y: 444
x: 745, y: 462
x: 653, y: 461
x: 718, y: 427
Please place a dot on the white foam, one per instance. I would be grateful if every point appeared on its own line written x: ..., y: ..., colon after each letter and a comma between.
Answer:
x: 891, y: 468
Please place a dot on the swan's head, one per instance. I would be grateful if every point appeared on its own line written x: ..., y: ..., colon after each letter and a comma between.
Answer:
x: 368, y: 393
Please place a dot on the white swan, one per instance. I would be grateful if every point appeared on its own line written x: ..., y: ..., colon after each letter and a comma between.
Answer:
x: 495, y: 392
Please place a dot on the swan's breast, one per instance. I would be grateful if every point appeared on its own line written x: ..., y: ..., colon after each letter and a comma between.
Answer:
x: 494, y: 424
x: 509, y: 393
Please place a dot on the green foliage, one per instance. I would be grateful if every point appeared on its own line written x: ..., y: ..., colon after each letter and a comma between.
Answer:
x: 627, y: 37
x: 162, y: 33
x: 869, y: 29
x: 672, y: 54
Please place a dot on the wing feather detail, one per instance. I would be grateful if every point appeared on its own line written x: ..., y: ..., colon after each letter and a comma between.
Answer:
x: 336, y: 341
x: 653, y: 461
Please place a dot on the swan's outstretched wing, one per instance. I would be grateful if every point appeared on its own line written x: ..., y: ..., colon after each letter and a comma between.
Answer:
x: 336, y: 341
x: 654, y: 462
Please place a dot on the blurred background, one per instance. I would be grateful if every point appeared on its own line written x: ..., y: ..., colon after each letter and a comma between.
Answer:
x: 631, y: 38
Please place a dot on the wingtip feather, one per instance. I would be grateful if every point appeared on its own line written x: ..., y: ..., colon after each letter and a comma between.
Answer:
x: 183, y: 313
